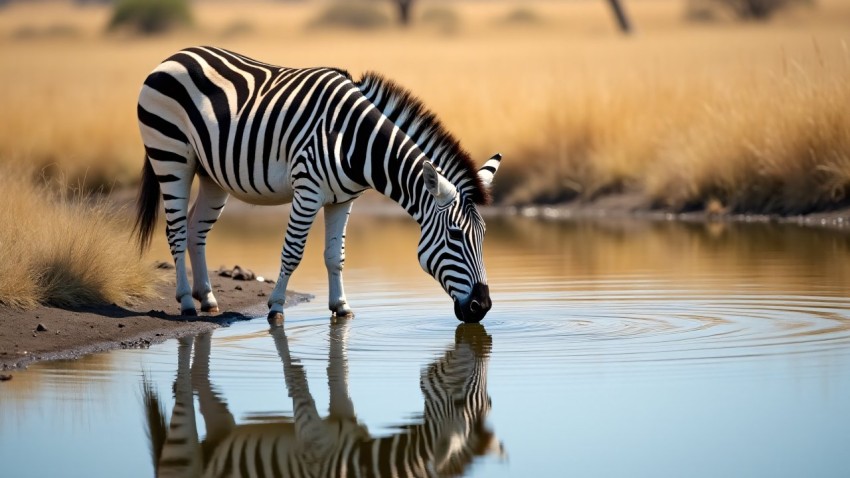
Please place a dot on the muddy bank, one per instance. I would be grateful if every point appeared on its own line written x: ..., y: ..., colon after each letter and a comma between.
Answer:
x: 50, y: 333
x: 636, y: 206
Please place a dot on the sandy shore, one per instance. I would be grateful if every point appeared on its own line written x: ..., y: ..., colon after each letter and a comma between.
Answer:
x: 71, y: 333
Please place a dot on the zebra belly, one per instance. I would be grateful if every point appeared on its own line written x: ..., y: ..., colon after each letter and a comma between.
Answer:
x: 269, y: 189
x: 282, y: 194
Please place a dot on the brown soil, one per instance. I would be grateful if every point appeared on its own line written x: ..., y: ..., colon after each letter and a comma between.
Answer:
x: 71, y: 333
x: 635, y: 205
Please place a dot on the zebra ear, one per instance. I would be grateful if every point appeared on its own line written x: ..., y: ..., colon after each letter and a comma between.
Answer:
x: 489, y: 169
x: 442, y: 189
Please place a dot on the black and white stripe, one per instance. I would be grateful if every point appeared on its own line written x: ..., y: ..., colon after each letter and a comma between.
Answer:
x: 314, y: 138
x: 448, y: 437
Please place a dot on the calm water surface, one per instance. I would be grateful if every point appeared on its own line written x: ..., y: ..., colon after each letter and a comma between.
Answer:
x: 613, y: 349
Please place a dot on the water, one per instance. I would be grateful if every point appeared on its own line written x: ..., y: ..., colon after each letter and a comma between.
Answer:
x: 613, y: 349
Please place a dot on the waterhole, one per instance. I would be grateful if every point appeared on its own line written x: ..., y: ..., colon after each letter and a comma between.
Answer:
x: 620, y: 348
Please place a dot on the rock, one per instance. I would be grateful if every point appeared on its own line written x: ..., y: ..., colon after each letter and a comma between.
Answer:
x: 40, y: 328
x: 237, y: 273
x: 5, y: 378
x: 243, y: 274
x: 261, y: 294
x: 120, y: 326
x: 238, y: 287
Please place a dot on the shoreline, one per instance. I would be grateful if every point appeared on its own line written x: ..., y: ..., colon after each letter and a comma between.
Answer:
x: 72, y: 333
x: 53, y: 333
x: 635, y: 206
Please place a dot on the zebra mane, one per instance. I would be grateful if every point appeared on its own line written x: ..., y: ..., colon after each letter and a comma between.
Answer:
x: 409, y: 113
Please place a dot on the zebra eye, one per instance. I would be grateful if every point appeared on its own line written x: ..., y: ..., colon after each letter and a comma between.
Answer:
x: 455, y: 233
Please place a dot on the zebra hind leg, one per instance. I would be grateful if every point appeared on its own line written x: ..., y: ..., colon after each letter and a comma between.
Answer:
x: 205, y: 212
x: 336, y: 220
x: 175, y: 182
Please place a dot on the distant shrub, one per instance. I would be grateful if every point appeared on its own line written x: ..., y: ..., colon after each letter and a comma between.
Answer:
x: 150, y: 16
x: 352, y: 15
x: 444, y: 19
x: 237, y: 28
x: 58, y: 30
x: 743, y: 9
x: 700, y: 11
x: 522, y: 16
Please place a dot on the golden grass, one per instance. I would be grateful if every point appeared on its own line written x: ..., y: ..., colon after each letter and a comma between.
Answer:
x: 746, y: 115
x: 63, y: 249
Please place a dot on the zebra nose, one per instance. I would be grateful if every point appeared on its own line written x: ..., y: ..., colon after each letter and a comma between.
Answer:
x: 477, y: 306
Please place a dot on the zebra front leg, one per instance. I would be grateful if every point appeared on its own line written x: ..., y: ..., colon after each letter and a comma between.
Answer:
x: 310, y: 430
x: 305, y: 206
x: 336, y: 219
x: 341, y: 406
x: 211, y: 200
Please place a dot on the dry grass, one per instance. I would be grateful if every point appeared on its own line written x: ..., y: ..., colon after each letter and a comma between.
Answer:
x: 64, y: 250
x: 745, y: 115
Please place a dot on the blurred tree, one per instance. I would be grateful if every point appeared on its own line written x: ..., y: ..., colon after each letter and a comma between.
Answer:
x: 622, y: 19
x: 404, y: 11
x: 752, y: 9
x: 150, y: 16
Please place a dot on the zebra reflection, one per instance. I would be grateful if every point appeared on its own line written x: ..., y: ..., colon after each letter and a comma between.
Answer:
x: 452, y: 431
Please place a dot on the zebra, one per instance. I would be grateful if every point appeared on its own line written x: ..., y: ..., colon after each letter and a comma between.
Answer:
x: 315, y: 138
x: 450, y: 434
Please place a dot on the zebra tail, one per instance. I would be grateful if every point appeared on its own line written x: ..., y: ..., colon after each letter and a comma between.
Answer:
x: 147, y: 207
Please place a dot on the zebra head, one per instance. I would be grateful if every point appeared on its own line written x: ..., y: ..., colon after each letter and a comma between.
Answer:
x: 450, y: 248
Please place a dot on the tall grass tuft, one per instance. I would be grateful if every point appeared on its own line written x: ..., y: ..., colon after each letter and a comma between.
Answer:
x: 62, y: 249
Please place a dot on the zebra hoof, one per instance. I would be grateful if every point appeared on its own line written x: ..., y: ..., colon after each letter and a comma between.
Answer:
x: 343, y: 314
x: 189, y: 313
x: 275, y: 318
x: 213, y: 309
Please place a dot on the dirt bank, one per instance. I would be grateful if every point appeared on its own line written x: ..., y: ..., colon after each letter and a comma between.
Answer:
x: 49, y: 333
x: 637, y: 206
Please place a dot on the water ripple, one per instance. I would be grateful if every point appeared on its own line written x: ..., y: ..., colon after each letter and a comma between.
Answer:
x: 619, y: 322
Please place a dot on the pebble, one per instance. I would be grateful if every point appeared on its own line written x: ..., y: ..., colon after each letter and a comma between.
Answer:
x: 238, y: 287
x: 5, y: 378
x: 40, y: 328
x: 120, y: 326
x: 243, y: 274
x: 237, y: 273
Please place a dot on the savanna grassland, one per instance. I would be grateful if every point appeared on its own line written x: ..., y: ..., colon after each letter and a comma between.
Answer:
x: 735, y: 116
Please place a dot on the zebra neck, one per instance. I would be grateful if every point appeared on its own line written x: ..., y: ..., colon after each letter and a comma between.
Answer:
x: 414, y: 198
x: 391, y: 163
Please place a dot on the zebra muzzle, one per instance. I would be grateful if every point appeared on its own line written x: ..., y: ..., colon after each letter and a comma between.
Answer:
x: 476, y: 306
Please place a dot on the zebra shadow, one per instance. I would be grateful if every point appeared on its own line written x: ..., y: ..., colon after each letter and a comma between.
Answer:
x: 446, y: 439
